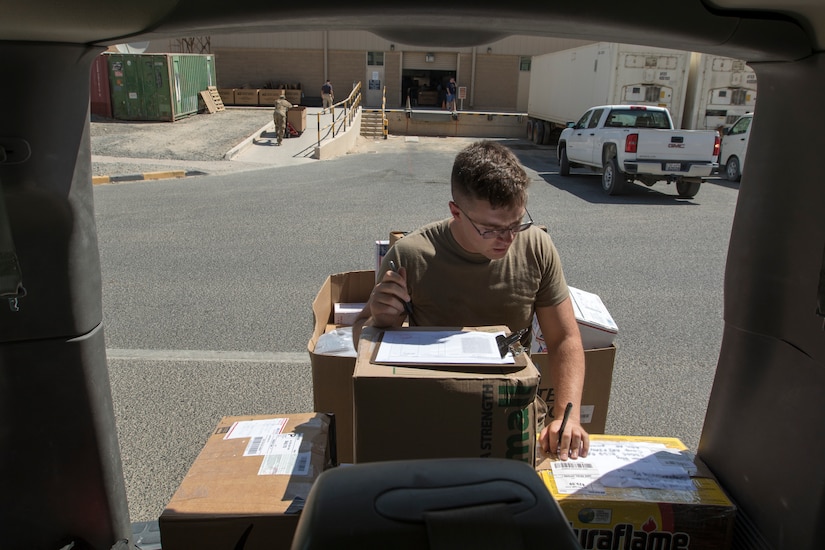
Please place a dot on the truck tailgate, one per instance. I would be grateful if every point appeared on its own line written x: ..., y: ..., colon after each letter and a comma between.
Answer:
x: 676, y: 145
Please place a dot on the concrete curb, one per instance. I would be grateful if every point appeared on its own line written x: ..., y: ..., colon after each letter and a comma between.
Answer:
x: 239, y: 148
x: 166, y: 174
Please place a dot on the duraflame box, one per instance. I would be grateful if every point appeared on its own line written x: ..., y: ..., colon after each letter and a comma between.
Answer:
x: 430, y: 411
x: 345, y: 314
x: 268, y: 96
x: 644, y: 518
x: 598, y: 379
x: 246, y: 96
x: 332, y: 375
x: 227, y: 95
x: 232, y: 497
x: 297, y: 116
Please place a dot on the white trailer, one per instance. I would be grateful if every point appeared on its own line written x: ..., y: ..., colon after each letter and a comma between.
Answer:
x: 720, y: 90
x: 565, y: 84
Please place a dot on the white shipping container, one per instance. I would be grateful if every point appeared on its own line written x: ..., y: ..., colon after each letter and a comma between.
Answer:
x: 564, y: 84
x: 720, y: 90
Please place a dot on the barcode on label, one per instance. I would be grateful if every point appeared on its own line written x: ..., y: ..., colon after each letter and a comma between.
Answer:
x: 255, y: 445
x: 301, y: 465
x: 573, y: 465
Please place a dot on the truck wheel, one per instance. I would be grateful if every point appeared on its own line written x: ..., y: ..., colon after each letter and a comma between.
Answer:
x: 529, y: 130
x: 687, y: 189
x: 612, y: 178
x: 564, y: 164
x: 538, y: 133
x: 732, y: 170
x: 545, y: 138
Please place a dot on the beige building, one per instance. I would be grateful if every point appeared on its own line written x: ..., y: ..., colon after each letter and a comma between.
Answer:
x: 493, y: 76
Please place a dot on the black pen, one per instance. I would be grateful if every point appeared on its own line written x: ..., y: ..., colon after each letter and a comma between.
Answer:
x: 407, y: 305
x: 563, y: 425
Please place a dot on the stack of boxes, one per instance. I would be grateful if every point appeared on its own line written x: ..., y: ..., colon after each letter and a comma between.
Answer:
x: 249, y: 483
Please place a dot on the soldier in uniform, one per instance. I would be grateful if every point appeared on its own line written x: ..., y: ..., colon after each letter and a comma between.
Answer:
x: 282, y: 106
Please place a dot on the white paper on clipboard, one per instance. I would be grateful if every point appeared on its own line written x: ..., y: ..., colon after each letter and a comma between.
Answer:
x: 441, y: 347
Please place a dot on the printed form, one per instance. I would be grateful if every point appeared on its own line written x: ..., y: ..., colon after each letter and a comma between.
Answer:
x: 625, y: 464
x: 441, y: 348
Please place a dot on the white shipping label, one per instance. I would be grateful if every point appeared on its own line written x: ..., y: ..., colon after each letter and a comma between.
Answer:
x: 259, y: 432
x: 283, y: 457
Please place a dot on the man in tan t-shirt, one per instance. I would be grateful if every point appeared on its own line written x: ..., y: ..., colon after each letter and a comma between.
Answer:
x: 488, y: 265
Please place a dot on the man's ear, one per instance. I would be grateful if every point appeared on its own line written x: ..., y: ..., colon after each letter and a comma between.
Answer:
x: 454, y: 211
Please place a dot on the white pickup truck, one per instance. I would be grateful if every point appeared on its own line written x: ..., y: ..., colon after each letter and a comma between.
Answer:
x: 638, y: 142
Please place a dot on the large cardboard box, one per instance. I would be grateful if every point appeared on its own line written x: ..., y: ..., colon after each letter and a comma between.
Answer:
x: 268, y: 96
x: 294, y: 96
x: 227, y: 95
x: 598, y: 380
x: 431, y: 411
x: 245, y: 96
x: 297, y: 116
x: 634, y: 507
x: 248, y: 484
x: 332, y: 375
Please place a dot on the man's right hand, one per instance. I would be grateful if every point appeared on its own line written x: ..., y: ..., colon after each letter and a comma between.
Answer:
x: 386, y: 302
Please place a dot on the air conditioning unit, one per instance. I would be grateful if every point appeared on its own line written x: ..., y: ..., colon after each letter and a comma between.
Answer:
x: 429, y: 58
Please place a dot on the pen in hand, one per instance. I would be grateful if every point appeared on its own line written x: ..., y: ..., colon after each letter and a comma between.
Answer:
x: 407, y: 305
x: 563, y: 426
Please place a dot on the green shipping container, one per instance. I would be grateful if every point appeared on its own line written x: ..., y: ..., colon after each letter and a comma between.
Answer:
x: 162, y: 87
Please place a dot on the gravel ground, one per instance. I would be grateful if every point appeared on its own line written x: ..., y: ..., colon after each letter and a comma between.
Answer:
x: 195, y: 144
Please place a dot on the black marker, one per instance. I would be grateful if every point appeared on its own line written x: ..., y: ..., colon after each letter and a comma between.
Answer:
x: 563, y: 425
x: 407, y: 305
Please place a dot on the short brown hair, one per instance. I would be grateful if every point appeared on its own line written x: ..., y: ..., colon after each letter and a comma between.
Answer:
x: 487, y: 170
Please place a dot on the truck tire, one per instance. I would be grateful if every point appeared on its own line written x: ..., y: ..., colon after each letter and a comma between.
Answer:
x: 548, y: 129
x: 538, y: 133
x: 687, y: 189
x: 612, y: 178
x: 564, y: 164
x: 732, y: 170
x: 530, y: 126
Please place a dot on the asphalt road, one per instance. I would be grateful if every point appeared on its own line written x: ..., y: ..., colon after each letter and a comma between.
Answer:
x: 208, y: 284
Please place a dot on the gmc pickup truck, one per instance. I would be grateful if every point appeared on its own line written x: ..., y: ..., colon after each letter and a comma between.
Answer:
x: 638, y: 143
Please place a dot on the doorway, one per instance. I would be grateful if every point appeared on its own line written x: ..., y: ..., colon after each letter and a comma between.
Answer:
x: 425, y: 87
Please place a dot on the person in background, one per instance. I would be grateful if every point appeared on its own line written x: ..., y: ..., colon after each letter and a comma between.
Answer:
x: 488, y: 265
x: 451, y: 91
x: 282, y: 107
x: 326, y: 95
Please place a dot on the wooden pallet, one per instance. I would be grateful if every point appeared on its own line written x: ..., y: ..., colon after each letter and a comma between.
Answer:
x: 212, y: 99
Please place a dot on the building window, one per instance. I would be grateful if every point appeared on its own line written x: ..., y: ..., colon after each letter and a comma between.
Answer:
x: 375, y: 58
x: 524, y: 63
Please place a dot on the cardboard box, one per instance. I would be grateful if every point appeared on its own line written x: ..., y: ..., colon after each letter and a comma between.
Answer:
x: 644, y: 517
x: 596, y: 325
x: 294, y: 96
x: 598, y: 380
x: 346, y: 313
x: 227, y: 95
x: 226, y: 502
x: 268, y: 96
x: 429, y: 411
x: 332, y: 375
x: 297, y: 116
x: 246, y: 96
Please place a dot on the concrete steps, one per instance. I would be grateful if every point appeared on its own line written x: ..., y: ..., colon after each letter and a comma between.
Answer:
x: 373, y: 124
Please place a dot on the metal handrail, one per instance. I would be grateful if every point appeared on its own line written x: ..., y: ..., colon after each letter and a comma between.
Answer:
x: 350, y: 107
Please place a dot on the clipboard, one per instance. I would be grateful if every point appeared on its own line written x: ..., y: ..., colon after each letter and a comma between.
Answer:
x: 381, y: 356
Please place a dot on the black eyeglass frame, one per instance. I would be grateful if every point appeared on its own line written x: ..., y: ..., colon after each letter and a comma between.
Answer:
x: 499, y: 233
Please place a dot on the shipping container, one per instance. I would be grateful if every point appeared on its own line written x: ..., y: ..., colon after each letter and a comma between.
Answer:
x: 100, y: 99
x: 158, y: 87
x: 720, y: 90
x: 565, y: 84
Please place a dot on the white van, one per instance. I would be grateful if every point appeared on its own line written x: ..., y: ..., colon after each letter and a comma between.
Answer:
x: 734, y: 147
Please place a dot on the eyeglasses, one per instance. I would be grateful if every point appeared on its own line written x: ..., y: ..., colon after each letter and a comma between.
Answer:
x: 499, y: 233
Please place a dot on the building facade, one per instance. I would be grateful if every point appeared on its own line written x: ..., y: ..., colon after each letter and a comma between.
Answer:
x: 493, y: 76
